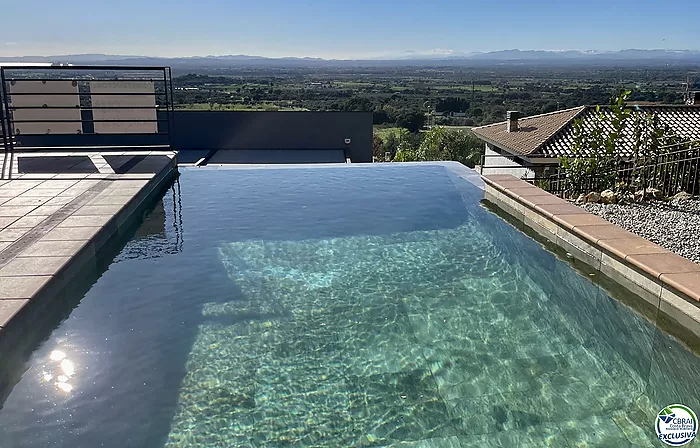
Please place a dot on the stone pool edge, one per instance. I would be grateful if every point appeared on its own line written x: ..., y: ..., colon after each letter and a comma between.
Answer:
x: 85, y: 257
x: 667, y: 281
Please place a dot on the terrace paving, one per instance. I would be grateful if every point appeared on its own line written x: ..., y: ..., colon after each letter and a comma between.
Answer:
x: 58, y: 209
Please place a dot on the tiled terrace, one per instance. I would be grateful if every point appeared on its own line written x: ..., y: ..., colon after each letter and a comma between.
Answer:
x: 58, y: 209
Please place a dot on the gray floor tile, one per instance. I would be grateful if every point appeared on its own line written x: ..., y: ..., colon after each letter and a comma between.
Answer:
x: 90, y: 210
x: 110, y: 200
x: 61, y: 184
x: 27, y: 222
x: 71, y: 233
x: 16, y: 210
x: 33, y: 266
x: 85, y: 221
x: 54, y: 248
x: 59, y: 200
x: 21, y: 287
x: 43, y: 192
x: 28, y: 200
x: 7, y: 220
x: 10, y: 235
x: 8, y: 308
x: 45, y: 210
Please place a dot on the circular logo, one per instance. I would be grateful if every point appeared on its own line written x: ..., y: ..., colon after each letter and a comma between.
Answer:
x: 676, y: 425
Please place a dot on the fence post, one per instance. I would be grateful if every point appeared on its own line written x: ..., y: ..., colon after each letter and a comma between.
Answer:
x: 5, y: 115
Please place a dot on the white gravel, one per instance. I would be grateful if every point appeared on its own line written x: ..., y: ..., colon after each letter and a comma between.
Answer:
x: 674, y: 225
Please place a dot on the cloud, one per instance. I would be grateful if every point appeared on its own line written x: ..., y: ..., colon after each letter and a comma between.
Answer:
x: 10, y: 43
x: 444, y: 51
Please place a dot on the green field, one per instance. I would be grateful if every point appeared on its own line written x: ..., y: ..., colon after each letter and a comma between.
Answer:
x: 383, y: 132
x: 467, y: 88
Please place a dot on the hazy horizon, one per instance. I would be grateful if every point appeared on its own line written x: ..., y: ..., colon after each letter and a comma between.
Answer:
x: 334, y: 29
x: 406, y: 54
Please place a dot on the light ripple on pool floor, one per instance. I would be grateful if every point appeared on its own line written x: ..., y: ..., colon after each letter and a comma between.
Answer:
x: 423, y: 339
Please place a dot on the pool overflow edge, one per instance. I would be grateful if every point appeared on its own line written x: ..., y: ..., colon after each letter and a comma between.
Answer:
x: 525, y: 206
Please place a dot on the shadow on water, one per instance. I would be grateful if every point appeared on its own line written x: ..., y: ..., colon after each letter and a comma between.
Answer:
x: 34, y: 327
x: 154, y: 232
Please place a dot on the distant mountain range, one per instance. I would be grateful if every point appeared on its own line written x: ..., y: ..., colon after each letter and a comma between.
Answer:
x: 629, y: 57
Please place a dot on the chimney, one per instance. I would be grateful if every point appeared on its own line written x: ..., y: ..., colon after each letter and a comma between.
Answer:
x: 512, y: 120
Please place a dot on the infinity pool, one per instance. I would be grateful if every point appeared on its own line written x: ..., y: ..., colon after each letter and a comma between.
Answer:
x: 343, y: 307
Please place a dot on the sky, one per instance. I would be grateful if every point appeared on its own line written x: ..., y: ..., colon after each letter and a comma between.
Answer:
x: 335, y: 29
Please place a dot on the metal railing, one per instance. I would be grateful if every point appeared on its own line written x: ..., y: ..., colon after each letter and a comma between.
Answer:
x: 56, y: 107
x: 673, y: 169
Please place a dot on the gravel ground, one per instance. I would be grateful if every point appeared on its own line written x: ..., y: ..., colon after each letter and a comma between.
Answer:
x: 674, y: 225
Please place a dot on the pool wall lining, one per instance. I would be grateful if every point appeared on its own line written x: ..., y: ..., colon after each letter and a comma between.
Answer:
x: 599, y: 244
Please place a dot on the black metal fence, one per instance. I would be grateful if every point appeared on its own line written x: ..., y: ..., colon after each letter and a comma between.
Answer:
x: 55, y: 107
x: 674, y: 169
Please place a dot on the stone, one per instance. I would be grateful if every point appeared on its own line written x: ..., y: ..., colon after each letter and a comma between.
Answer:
x: 581, y: 199
x: 624, y: 197
x: 649, y: 193
x: 593, y: 196
x: 608, y: 197
x: 654, y: 193
x: 682, y: 196
x: 673, y: 225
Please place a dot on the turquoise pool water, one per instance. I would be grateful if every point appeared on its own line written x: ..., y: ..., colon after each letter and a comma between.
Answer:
x: 379, y: 306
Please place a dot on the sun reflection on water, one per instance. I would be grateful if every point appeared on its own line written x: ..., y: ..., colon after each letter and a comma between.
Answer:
x: 61, y: 369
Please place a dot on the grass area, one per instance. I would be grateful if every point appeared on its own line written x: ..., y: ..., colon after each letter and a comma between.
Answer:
x: 467, y: 88
x: 383, y: 132
x: 353, y: 84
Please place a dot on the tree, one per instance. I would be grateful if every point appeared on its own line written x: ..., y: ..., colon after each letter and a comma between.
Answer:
x: 599, y: 143
x: 380, y: 116
x: 358, y: 104
x: 452, y: 104
x: 440, y: 143
x: 411, y: 120
x: 377, y: 148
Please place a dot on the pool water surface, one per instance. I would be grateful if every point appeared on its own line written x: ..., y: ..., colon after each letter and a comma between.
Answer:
x: 350, y: 306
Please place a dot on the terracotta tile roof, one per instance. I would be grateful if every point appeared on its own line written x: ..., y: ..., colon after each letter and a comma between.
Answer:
x: 552, y: 135
x: 532, y: 132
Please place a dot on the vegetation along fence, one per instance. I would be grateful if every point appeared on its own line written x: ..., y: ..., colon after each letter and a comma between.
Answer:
x: 673, y: 170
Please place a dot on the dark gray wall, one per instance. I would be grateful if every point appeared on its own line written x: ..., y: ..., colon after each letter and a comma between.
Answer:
x: 276, y: 130
x: 229, y: 130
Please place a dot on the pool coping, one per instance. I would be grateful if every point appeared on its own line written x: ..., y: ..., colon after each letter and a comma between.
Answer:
x: 665, y: 280
x: 82, y: 256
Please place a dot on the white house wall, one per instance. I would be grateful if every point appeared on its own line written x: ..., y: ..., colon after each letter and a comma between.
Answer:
x: 495, y: 163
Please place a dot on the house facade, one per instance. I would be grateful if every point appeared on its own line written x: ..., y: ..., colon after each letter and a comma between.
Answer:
x: 530, y: 147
